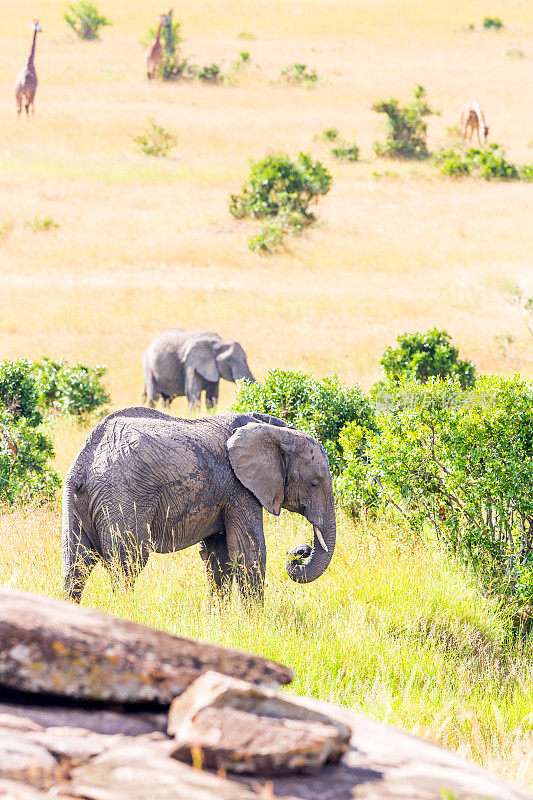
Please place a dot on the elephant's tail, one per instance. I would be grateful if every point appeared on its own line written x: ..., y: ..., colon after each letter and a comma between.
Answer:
x: 68, y: 546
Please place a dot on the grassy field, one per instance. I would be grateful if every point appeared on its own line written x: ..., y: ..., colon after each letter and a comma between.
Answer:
x: 144, y: 244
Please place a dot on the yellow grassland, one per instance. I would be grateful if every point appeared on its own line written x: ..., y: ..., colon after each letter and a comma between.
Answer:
x: 144, y: 244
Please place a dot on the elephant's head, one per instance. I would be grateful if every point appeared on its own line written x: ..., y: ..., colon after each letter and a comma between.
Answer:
x: 285, y: 468
x: 231, y: 361
x: 214, y: 358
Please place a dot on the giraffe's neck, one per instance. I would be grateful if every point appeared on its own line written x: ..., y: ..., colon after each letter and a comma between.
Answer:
x: 32, y: 51
x: 158, y: 34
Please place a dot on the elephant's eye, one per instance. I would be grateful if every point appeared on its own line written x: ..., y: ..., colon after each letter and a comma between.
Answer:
x: 314, y: 483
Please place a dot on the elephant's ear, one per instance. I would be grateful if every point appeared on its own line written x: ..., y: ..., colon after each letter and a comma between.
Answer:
x: 199, y: 355
x: 257, y: 460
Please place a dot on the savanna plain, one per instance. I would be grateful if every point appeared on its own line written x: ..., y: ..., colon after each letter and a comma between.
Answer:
x: 393, y: 628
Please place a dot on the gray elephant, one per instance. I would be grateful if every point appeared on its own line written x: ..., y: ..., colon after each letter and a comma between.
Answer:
x: 145, y: 481
x: 181, y: 362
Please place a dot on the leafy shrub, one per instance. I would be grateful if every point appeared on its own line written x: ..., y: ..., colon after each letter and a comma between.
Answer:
x: 279, y: 190
x: 526, y: 172
x: 298, y: 75
x: 41, y: 224
x: 330, y: 135
x: 462, y: 462
x: 156, y: 141
x: 25, y: 472
x: 269, y: 239
x: 277, y: 183
x: 514, y: 53
x: 426, y: 355
x: 24, y: 451
x: 211, y: 73
x: 489, y: 163
x: 19, y: 393
x: 70, y: 389
x: 85, y: 20
x: 345, y: 151
x: 452, y: 163
x: 492, y: 23
x: 406, y: 129
x: 321, y: 407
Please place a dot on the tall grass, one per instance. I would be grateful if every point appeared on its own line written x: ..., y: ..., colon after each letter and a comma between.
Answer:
x: 392, y: 629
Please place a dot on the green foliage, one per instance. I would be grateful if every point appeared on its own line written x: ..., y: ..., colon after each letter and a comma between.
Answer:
x: 70, y: 389
x: 330, y: 135
x: 492, y: 23
x: 41, y: 224
x: 280, y: 190
x: 425, y: 355
x: 515, y: 52
x: 269, y: 239
x: 489, y: 163
x: 25, y: 472
x: 345, y: 151
x: 526, y: 172
x: 462, y: 461
x: 406, y: 129
x: 321, y: 407
x: 85, y: 20
x: 19, y: 393
x: 299, y: 75
x: 156, y: 141
x: 24, y: 451
x: 277, y: 183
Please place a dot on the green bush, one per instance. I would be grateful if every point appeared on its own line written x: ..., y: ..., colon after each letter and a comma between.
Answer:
x: 156, y: 141
x: 25, y: 453
x: 406, y: 129
x: 41, y: 224
x: 280, y: 190
x: 329, y: 135
x: 321, y: 407
x: 461, y: 462
x: 278, y: 183
x: 488, y: 163
x: 70, y: 389
x: 492, y: 23
x: 269, y: 239
x: 299, y: 75
x: 426, y: 355
x: 19, y: 392
x: 85, y: 20
x: 345, y: 151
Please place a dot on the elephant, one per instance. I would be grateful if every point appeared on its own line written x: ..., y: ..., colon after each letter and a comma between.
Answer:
x: 181, y: 362
x: 146, y: 481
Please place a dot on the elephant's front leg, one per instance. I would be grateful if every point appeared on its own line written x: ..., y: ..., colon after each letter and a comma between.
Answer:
x: 214, y: 552
x: 246, y: 547
x: 211, y: 394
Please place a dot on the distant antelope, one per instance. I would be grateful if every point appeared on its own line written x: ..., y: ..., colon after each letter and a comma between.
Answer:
x: 154, y: 54
x: 26, y: 83
x: 473, y: 118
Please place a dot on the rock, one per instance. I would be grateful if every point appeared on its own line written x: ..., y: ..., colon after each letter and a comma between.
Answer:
x: 13, y: 790
x: 230, y: 724
x: 27, y: 761
x: 141, y: 771
x: 131, y: 723
x: 56, y: 648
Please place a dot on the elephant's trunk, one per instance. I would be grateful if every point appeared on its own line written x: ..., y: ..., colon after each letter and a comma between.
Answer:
x: 244, y: 375
x: 306, y: 563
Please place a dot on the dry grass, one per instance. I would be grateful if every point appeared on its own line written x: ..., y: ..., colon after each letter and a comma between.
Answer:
x: 144, y: 244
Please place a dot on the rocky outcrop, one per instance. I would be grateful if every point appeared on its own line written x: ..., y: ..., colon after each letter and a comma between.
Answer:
x: 67, y: 748
x: 230, y: 724
x: 50, y: 647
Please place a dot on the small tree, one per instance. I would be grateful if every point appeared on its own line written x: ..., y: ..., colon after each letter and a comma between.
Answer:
x: 406, y: 129
x: 85, y: 20
x: 425, y: 355
x: 156, y: 141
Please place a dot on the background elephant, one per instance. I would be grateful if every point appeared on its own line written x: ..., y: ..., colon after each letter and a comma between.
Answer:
x: 188, y: 362
x: 147, y: 481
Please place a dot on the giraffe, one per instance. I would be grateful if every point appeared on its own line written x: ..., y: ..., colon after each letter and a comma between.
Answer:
x: 472, y: 117
x: 154, y: 54
x: 26, y: 83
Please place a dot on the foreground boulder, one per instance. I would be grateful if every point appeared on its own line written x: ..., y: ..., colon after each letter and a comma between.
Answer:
x: 54, y: 648
x: 68, y: 748
x: 230, y: 724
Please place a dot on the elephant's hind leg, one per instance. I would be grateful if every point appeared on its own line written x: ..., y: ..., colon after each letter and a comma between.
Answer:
x: 214, y: 552
x: 79, y: 559
x: 247, y: 550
